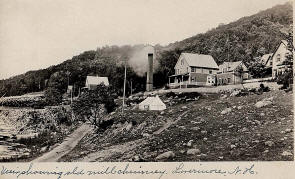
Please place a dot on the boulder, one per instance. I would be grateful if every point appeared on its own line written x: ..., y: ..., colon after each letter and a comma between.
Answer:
x: 269, y: 143
x: 43, y: 149
x: 165, y: 155
x: 261, y: 104
x: 184, y: 107
x: 233, y: 146
x: 208, y: 108
x: 128, y: 127
x: 189, y: 144
x: 223, y: 96
x: 182, y: 151
x: 193, y: 151
x: 146, y: 135
x: 226, y: 111
x: 287, y: 153
x: 244, y: 129
x: 137, y: 158
x: 235, y: 93
x: 264, y: 102
x: 196, y: 128
x: 204, y: 132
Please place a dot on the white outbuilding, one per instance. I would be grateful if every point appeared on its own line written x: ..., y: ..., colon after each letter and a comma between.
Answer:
x: 152, y: 103
x: 93, y: 81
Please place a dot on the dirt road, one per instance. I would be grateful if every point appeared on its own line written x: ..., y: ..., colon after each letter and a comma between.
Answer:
x: 65, y: 147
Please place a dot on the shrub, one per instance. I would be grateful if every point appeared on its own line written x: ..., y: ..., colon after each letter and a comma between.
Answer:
x: 285, y: 79
x: 262, y: 88
x: 93, y: 105
x: 53, y: 96
x: 170, y: 94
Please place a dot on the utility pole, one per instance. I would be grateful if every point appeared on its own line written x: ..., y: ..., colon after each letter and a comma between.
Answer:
x: 125, y: 74
x: 131, y: 87
x: 72, y: 93
x: 68, y: 74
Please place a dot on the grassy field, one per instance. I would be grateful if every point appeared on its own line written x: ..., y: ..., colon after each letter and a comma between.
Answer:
x: 244, y: 133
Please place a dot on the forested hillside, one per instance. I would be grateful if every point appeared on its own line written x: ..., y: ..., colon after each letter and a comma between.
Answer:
x: 243, y: 39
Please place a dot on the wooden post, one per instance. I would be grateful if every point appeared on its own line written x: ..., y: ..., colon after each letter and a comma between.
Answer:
x: 71, y: 96
x: 131, y: 87
x: 181, y: 79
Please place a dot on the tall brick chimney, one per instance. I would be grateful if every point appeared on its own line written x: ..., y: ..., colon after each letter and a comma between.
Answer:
x: 149, y: 76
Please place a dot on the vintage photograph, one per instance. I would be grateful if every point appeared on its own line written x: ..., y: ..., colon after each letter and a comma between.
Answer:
x: 146, y: 81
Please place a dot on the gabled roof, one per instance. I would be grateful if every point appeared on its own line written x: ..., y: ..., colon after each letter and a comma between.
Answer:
x: 266, y: 57
x: 282, y: 42
x: 96, y: 80
x: 229, y: 65
x: 200, y: 60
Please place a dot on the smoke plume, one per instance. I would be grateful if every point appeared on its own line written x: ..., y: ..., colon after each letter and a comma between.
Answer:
x: 139, y: 60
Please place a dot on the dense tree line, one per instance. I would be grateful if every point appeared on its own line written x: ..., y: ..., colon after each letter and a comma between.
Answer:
x: 245, y: 39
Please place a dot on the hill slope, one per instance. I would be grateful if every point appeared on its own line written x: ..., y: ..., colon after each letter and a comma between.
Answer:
x: 243, y: 39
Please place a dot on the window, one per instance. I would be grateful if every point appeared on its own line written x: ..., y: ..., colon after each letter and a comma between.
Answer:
x: 278, y: 57
x: 228, y: 80
x: 193, y: 69
x: 182, y: 62
x: 210, y: 71
x: 146, y: 107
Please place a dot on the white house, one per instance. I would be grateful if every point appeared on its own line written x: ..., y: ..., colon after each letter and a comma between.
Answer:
x: 93, y: 81
x: 194, y: 69
x: 278, y: 57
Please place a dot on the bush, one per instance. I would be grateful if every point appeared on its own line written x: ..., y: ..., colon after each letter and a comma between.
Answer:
x: 285, y: 79
x: 53, y: 96
x: 262, y: 88
x: 170, y: 94
x: 93, y: 105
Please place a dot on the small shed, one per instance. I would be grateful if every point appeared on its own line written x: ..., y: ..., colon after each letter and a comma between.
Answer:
x: 93, y: 81
x: 152, y: 103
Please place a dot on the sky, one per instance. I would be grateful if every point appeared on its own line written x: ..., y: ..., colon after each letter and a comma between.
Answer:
x: 36, y: 34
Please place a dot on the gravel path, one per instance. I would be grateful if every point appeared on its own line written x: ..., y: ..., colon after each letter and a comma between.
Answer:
x: 70, y: 142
